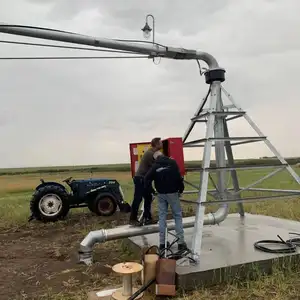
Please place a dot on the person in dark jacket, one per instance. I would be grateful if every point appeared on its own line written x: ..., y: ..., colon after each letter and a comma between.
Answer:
x: 141, y: 190
x: 168, y: 184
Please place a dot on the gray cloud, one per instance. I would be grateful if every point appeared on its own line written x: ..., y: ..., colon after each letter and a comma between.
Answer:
x: 76, y: 112
x: 126, y: 13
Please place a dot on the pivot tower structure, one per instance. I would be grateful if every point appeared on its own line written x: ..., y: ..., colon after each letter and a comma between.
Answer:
x: 216, y: 116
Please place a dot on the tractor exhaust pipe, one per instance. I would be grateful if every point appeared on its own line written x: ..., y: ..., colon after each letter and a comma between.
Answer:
x: 126, y: 231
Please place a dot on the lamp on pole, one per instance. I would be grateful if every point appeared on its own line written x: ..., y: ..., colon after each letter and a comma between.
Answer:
x: 147, y: 29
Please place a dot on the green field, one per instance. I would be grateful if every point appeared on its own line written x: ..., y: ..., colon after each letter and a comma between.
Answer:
x: 126, y: 167
x: 26, y: 246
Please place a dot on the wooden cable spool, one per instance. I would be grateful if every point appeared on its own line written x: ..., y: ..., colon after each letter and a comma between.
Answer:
x: 126, y: 270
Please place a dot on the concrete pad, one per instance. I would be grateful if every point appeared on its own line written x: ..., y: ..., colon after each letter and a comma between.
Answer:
x: 228, y: 249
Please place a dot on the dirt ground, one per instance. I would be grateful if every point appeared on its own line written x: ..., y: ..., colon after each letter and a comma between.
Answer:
x: 39, y: 261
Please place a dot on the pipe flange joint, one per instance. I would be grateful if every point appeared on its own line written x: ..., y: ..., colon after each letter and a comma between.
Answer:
x: 217, y: 74
x: 85, y: 257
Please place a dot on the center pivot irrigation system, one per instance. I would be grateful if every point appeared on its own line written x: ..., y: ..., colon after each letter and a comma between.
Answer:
x: 215, y: 116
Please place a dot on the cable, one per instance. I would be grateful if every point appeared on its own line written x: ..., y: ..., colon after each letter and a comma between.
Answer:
x: 148, y: 250
x: 78, y: 48
x: 290, y: 247
x: 138, y: 41
x: 175, y: 255
x: 69, y: 57
x: 64, y: 47
x: 200, y: 69
x: 295, y: 241
x: 142, y: 289
x: 158, y: 61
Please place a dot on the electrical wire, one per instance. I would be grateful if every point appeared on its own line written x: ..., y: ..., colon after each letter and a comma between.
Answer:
x: 77, y: 48
x: 139, y: 41
x: 200, y: 69
x: 162, y: 253
x: 295, y: 241
x: 64, y: 47
x: 158, y: 60
x: 69, y: 57
x: 142, y: 289
x: 290, y: 246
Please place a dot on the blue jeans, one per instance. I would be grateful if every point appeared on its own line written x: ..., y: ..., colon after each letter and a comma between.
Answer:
x: 164, y: 200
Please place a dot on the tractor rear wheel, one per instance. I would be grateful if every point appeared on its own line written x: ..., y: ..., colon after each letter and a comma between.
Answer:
x: 104, y: 205
x: 50, y: 203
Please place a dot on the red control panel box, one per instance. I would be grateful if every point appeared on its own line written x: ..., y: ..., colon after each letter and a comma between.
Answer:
x: 172, y: 147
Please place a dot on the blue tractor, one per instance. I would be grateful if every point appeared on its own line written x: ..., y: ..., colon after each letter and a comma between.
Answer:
x: 52, y: 201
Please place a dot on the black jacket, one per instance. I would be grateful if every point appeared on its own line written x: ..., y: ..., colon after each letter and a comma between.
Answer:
x: 166, y: 176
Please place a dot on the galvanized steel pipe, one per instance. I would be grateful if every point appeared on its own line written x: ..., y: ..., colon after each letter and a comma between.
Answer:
x: 121, y: 232
x: 75, y: 38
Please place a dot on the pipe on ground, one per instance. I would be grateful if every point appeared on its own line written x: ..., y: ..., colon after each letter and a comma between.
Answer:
x: 126, y: 231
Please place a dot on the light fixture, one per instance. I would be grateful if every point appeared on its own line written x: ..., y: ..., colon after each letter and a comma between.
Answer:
x: 147, y: 29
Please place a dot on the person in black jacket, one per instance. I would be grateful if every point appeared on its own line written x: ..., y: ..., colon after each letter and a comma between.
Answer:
x: 140, y: 190
x: 168, y: 184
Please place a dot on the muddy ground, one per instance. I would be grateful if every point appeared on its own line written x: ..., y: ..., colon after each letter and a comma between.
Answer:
x: 40, y: 261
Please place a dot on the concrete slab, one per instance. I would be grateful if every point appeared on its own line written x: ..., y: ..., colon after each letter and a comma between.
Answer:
x: 228, y: 249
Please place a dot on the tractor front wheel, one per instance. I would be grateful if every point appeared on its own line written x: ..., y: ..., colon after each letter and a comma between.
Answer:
x: 104, y: 205
x: 50, y: 203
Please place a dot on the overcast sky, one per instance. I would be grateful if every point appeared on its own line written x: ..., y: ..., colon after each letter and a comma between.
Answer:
x: 88, y: 111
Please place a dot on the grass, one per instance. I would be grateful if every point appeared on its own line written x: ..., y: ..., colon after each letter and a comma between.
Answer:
x: 15, y: 195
